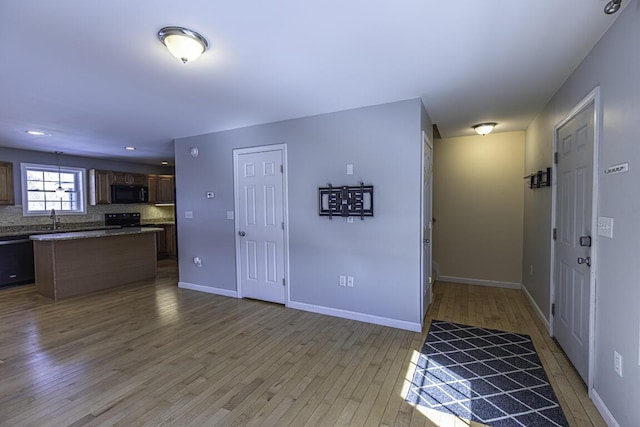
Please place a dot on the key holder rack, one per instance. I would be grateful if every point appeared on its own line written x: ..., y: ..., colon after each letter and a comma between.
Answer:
x: 539, y: 179
x: 345, y: 201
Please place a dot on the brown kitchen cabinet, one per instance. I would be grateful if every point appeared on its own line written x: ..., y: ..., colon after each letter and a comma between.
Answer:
x: 161, y: 189
x: 99, y: 187
x: 128, y: 178
x: 6, y: 183
x: 166, y: 241
x: 166, y: 189
x: 152, y: 183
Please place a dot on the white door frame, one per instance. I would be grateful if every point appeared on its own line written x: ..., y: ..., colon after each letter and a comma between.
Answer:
x: 424, y: 139
x: 285, y: 202
x: 592, y: 98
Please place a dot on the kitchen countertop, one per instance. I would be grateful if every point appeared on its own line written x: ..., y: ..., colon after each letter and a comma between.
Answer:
x: 74, y: 235
x: 30, y: 232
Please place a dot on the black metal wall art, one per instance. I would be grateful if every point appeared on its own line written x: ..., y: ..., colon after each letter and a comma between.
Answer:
x: 539, y: 179
x: 346, y: 201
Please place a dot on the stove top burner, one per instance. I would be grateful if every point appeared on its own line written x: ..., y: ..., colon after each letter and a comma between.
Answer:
x: 126, y: 219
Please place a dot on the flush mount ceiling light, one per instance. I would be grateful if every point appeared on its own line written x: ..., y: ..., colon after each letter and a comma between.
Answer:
x: 484, y: 128
x: 184, y: 44
x: 129, y: 148
x: 612, y: 7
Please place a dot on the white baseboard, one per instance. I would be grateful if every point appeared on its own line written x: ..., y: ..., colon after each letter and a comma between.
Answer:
x: 536, y: 308
x: 481, y: 282
x: 602, y: 408
x: 352, y: 315
x: 208, y: 289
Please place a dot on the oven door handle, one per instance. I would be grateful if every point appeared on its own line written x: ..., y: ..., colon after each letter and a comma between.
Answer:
x: 13, y: 242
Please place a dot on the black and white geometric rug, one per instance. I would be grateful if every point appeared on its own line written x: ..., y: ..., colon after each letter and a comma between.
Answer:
x: 488, y: 376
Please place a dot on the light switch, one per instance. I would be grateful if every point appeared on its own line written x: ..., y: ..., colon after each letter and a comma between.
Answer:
x: 188, y: 214
x: 605, y: 227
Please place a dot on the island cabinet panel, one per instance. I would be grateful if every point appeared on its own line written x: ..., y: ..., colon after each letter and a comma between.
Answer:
x: 6, y: 183
x: 71, y: 267
x: 99, y: 187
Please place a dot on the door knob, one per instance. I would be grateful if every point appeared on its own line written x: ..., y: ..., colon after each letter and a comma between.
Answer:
x: 241, y: 233
x: 586, y: 260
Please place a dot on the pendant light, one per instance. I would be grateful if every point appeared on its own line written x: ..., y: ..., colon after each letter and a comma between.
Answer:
x: 59, y: 191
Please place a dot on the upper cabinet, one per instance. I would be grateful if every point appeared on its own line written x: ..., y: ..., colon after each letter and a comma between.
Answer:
x: 161, y: 189
x: 99, y: 187
x: 6, y: 183
x: 127, y: 178
x: 166, y: 189
x: 152, y: 183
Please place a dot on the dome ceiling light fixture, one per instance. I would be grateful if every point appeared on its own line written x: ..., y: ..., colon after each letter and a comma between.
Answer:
x: 186, y: 45
x: 484, y: 128
x: 612, y: 7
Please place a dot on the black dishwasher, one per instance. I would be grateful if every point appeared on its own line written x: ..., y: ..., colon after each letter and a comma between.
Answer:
x: 16, y: 260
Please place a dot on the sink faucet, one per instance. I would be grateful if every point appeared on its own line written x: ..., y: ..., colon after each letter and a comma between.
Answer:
x: 55, y: 222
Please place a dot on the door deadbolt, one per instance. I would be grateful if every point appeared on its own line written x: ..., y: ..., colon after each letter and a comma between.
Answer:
x: 586, y: 260
x: 241, y: 233
x: 585, y: 241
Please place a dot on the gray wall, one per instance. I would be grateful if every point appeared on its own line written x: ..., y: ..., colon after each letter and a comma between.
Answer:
x: 382, y: 253
x: 26, y: 156
x: 614, y: 65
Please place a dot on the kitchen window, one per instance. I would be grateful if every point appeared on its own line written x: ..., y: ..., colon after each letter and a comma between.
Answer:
x: 46, y: 187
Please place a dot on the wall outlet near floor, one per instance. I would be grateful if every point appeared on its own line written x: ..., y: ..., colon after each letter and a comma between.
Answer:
x: 617, y: 363
x: 343, y: 280
x: 350, y: 281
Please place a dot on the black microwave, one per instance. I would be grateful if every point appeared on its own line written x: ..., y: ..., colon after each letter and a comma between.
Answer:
x: 129, y: 194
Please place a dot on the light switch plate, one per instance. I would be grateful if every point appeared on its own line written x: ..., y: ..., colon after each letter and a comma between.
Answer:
x: 188, y: 214
x: 605, y: 227
x: 211, y: 194
x: 229, y: 214
x: 349, y: 169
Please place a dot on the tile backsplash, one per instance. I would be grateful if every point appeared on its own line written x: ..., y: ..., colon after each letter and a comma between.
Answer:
x: 11, y: 216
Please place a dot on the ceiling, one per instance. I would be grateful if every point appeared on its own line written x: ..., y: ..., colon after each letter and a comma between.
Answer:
x: 94, y: 75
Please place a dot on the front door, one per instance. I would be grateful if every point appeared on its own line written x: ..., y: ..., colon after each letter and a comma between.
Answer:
x: 427, y: 222
x: 260, y: 251
x: 574, y: 211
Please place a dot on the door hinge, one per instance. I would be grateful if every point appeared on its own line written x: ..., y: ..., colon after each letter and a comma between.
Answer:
x: 553, y: 309
x: 555, y: 157
x: 283, y: 282
x: 281, y: 168
x: 555, y: 233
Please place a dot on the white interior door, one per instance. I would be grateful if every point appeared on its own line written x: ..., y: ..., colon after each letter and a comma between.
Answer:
x: 260, y: 250
x: 427, y: 224
x: 574, y: 219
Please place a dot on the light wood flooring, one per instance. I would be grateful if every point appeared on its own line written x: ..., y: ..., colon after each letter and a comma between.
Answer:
x: 152, y: 354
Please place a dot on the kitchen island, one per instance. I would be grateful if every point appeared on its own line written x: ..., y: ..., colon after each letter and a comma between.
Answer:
x: 68, y: 264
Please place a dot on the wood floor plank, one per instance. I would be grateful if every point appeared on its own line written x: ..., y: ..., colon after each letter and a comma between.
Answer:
x: 149, y: 354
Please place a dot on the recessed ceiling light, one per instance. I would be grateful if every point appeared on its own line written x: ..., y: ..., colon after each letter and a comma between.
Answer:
x: 164, y: 163
x: 130, y: 148
x: 37, y: 133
